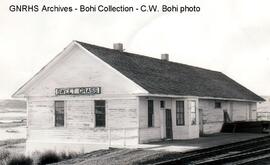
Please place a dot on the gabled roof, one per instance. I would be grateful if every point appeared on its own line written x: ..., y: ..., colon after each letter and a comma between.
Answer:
x: 170, y: 78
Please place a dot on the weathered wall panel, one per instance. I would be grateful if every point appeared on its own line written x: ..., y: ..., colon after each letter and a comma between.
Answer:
x: 80, y: 140
x: 122, y: 113
x: 158, y: 132
x: 121, y: 123
x: 149, y: 133
x: 243, y: 111
x: 186, y: 131
x: 40, y: 114
x: 79, y: 114
x: 80, y: 69
x: 213, y: 118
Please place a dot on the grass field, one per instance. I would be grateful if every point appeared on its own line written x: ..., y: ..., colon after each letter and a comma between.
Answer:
x: 12, y: 126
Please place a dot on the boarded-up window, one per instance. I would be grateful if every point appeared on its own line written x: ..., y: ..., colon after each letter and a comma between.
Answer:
x: 150, y: 113
x: 192, y: 106
x: 180, y: 113
x: 100, y: 113
x: 59, y: 113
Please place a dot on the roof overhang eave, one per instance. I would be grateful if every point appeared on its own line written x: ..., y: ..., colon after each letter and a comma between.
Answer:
x: 198, y: 97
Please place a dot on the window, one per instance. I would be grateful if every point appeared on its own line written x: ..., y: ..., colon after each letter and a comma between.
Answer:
x: 162, y: 104
x: 150, y: 113
x: 192, y: 106
x: 180, y: 113
x: 100, y: 113
x: 217, y: 104
x: 59, y: 107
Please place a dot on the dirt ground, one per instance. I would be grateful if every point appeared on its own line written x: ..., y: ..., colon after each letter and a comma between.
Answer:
x: 199, y: 143
x: 115, y: 156
x: 154, y: 152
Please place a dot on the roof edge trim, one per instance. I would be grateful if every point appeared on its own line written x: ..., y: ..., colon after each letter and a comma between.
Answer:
x: 199, y: 97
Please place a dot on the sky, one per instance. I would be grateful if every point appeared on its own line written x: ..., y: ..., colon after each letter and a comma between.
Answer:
x: 231, y: 36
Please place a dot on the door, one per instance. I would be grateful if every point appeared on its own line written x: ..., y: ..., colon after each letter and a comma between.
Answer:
x: 169, y: 134
x: 201, y: 121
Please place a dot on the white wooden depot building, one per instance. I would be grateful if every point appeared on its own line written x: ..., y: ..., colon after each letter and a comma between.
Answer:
x: 91, y: 97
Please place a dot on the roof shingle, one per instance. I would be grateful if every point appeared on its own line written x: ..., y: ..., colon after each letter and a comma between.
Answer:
x: 170, y: 78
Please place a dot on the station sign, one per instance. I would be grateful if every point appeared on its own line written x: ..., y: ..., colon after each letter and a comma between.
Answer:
x: 78, y: 91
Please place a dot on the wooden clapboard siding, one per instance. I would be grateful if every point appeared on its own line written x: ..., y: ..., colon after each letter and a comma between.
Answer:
x: 40, y: 114
x: 78, y: 68
x: 143, y: 112
x: 149, y: 133
x: 158, y: 131
x: 68, y: 134
x: 241, y: 111
x: 122, y: 113
x: 254, y: 109
x: 213, y: 118
x: 121, y: 123
x: 143, y: 103
x: 186, y: 131
x: 80, y: 114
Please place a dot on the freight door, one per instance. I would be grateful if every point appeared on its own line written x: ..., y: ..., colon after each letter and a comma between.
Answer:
x: 169, y: 133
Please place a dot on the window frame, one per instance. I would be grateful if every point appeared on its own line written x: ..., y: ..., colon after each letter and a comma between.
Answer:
x: 218, y: 103
x: 162, y: 104
x: 100, y: 126
x: 64, y: 114
x: 180, y: 114
x: 150, y: 124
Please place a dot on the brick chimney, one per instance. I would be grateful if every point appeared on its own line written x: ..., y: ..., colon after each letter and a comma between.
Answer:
x: 118, y: 46
x: 165, y: 57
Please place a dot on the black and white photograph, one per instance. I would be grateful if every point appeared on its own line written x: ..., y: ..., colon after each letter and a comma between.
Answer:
x: 134, y: 82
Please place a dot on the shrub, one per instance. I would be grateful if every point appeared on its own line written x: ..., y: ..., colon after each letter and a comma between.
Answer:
x: 69, y: 155
x: 20, y: 160
x: 48, y: 157
x: 4, y: 157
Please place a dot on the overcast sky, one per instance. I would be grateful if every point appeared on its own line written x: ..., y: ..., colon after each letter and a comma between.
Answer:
x: 231, y: 36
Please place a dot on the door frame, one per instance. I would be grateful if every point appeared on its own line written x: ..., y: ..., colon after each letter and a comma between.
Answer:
x: 168, y: 122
